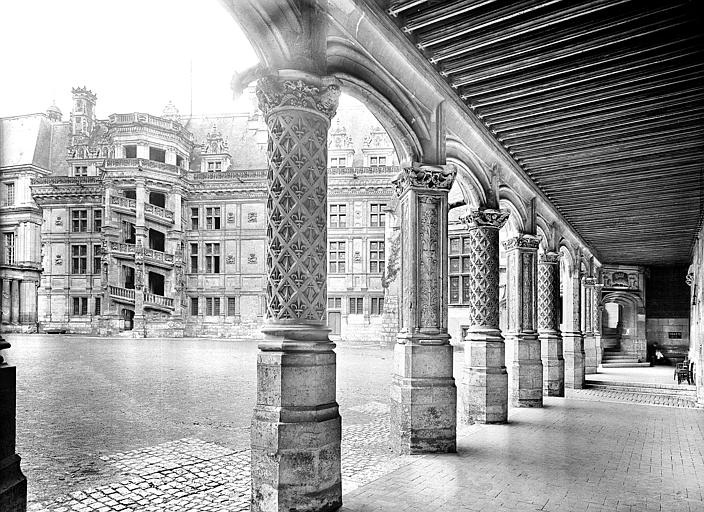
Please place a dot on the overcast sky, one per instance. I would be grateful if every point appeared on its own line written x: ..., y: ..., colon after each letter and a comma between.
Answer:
x: 134, y: 54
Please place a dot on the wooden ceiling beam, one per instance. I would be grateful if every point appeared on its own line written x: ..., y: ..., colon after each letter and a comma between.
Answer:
x: 442, y: 12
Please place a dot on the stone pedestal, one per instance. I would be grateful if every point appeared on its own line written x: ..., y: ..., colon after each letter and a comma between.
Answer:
x: 573, y: 348
x: 485, y: 380
x: 423, y: 391
x: 526, y: 389
x: 296, y: 427
x: 13, y: 484
x: 550, y: 336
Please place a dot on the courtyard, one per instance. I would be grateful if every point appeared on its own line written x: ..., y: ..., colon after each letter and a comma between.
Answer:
x: 120, y: 424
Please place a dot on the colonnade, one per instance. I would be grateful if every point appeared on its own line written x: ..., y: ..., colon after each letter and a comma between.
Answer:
x: 19, y: 301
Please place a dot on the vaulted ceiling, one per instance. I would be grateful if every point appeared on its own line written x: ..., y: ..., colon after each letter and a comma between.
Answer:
x: 600, y: 102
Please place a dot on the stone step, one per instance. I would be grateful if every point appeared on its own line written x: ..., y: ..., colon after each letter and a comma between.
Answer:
x: 635, y: 364
x: 687, y: 391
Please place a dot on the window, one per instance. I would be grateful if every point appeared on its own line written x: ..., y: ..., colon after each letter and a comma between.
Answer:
x: 79, y: 220
x: 212, y: 258
x: 356, y: 306
x: 215, y: 166
x: 96, y: 308
x: 80, y: 306
x: 96, y: 259
x: 130, y: 151
x: 337, y: 257
x: 338, y: 162
x: 194, y: 258
x: 231, y: 306
x: 80, y: 170
x: 128, y: 231
x: 334, y: 302
x: 459, y: 270
x: 9, y: 194
x: 377, y: 305
x: 79, y: 259
x: 212, y: 306
x: 97, y: 220
x: 194, y: 306
x: 130, y: 193
x: 338, y: 215
x: 194, y: 218
x: 377, y: 217
x: 9, y: 244
x: 212, y: 218
x: 376, y: 257
x: 157, y: 155
x: 377, y: 161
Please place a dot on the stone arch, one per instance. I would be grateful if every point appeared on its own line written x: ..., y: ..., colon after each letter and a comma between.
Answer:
x: 631, y: 328
x: 544, y: 239
x: 512, y: 202
x: 548, y: 242
x: 475, y: 169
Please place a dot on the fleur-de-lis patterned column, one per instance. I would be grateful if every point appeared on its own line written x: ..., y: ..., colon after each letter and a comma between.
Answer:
x: 296, y: 427
x: 572, y: 340
x: 423, y: 391
x: 485, y: 386
x: 548, y: 324
x: 526, y: 389
x: 588, y: 306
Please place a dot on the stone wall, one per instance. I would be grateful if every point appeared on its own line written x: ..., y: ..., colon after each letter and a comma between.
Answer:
x: 695, y: 280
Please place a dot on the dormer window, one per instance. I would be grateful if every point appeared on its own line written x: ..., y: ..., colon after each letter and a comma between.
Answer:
x: 157, y: 155
x: 215, y: 166
x: 377, y: 161
x: 131, y: 151
x: 338, y: 162
x: 80, y: 170
x: 179, y: 161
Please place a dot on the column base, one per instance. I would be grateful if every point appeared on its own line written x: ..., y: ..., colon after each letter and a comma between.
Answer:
x: 574, y: 360
x: 423, y: 399
x: 553, y: 364
x: 13, y: 485
x: 526, y: 388
x: 485, y: 386
x: 296, y: 426
x: 590, y: 357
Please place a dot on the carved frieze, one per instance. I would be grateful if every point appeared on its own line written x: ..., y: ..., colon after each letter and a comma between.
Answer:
x: 523, y: 241
x: 425, y: 176
x: 489, y: 218
x: 274, y: 92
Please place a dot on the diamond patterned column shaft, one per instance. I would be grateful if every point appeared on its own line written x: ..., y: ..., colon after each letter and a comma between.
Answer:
x: 485, y: 381
x: 548, y: 324
x: 296, y: 427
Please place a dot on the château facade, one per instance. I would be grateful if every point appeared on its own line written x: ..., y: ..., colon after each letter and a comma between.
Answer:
x: 155, y: 225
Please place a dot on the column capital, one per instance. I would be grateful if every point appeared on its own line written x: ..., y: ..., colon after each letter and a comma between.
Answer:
x: 485, y: 218
x: 298, y: 89
x: 549, y: 258
x: 523, y: 241
x: 420, y: 176
x: 589, y: 281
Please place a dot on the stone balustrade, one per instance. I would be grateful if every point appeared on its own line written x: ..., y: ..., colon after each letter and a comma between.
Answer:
x: 122, y: 247
x: 151, y: 299
x: 158, y: 211
x: 146, y: 164
x: 148, y: 119
x: 124, y: 202
x: 67, y: 180
x: 122, y: 293
x: 158, y: 256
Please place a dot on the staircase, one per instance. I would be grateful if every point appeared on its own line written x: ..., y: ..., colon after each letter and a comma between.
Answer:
x: 613, y: 357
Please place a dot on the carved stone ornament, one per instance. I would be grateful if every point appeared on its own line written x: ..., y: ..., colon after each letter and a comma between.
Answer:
x: 494, y: 219
x: 548, y: 296
x: 549, y: 258
x: 357, y: 257
x: 58, y: 260
x: 230, y: 217
x: 530, y: 242
x: 252, y: 258
x: 275, y: 92
x: 252, y: 217
x: 429, y: 261
x: 425, y: 176
x: 59, y: 221
x: 690, y: 276
x: 483, y: 275
x: 589, y: 281
x: 230, y: 259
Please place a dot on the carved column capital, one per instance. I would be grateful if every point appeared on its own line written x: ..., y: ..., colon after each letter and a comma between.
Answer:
x: 589, y: 281
x: 486, y: 218
x: 549, y: 258
x: 437, y: 177
x: 523, y: 241
x: 298, y: 90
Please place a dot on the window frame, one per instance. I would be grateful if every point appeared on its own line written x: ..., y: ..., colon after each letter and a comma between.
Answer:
x: 376, y: 306
x: 79, y: 261
x: 338, y: 263
x: 377, y: 256
x: 377, y: 215
x: 355, y: 305
x: 79, y: 223
x: 212, y: 258
x: 213, y: 216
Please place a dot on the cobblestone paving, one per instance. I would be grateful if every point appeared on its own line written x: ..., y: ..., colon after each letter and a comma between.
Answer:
x: 609, y: 395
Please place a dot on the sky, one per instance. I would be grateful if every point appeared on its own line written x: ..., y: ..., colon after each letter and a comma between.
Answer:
x: 136, y: 55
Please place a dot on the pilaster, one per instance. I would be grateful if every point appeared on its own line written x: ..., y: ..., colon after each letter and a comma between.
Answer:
x: 588, y: 307
x: 485, y: 386
x: 15, y: 301
x: 296, y: 427
x: 548, y: 324
x: 6, y: 302
x: 423, y: 391
x: 526, y: 389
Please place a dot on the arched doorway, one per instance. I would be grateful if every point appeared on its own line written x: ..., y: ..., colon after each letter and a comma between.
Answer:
x: 623, y: 329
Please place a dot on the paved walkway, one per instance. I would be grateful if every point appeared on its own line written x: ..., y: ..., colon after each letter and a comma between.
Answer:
x: 137, y: 430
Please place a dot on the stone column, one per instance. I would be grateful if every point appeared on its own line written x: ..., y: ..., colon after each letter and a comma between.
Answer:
x: 590, y: 348
x: 572, y: 341
x: 13, y: 484
x: 526, y: 388
x: 6, y: 303
x: 423, y: 391
x: 548, y: 326
x: 597, y: 308
x: 296, y: 427
x: 28, y: 302
x: 485, y: 386
x: 140, y: 277
x: 15, y: 301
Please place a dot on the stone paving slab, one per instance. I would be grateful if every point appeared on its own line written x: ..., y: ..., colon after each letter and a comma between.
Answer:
x: 610, y: 395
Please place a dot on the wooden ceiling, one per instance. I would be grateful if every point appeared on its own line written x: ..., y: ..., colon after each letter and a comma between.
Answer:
x: 600, y: 102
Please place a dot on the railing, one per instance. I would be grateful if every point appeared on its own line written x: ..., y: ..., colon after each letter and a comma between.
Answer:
x: 386, y: 170
x: 124, y: 202
x: 122, y: 247
x: 228, y: 175
x: 141, y: 118
x: 159, y: 211
x: 123, y: 293
x: 144, y: 163
x: 158, y: 300
x: 159, y: 256
x: 67, y: 180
